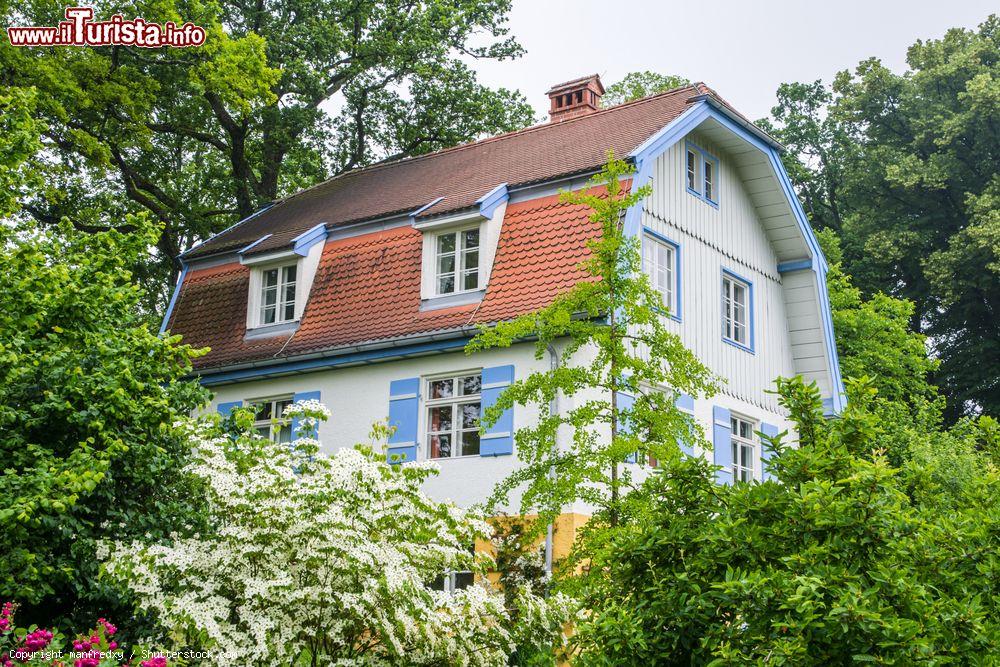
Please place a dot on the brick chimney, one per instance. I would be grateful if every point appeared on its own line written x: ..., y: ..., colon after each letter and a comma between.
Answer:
x: 578, y: 97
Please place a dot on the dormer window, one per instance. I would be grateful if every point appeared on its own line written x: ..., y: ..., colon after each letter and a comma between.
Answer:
x: 277, y: 294
x: 457, y: 261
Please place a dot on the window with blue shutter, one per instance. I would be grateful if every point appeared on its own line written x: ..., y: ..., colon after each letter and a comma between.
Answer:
x: 722, y: 444
x: 404, y: 413
x: 625, y: 402
x: 685, y: 403
x: 226, y: 409
x: 498, y: 439
x: 770, y: 431
x: 304, y: 396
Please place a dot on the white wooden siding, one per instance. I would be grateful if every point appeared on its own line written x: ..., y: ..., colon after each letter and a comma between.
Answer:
x: 731, y: 237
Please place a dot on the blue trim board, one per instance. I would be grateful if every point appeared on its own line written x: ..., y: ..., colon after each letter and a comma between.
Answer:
x: 677, y: 268
x: 795, y: 265
x: 750, y: 311
x: 254, y: 244
x: 413, y: 216
x: 645, y: 155
x: 489, y: 202
x: 307, y: 239
x: 173, y: 297
x: 307, y: 365
x: 232, y: 226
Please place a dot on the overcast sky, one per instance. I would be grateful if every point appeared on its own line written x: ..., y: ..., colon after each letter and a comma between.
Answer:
x: 742, y: 48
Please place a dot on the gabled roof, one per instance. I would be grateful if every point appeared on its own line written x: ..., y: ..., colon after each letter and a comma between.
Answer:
x: 459, y: 175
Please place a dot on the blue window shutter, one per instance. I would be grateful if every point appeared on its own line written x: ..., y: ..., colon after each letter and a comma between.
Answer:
x: 770, y: 430
x: 685, y: 403
x: 498, y: 440
x: 625, y: 402
x: 304, y: 396
x: 722, y: 443
x: 404, y: 413
x: 225, y: 409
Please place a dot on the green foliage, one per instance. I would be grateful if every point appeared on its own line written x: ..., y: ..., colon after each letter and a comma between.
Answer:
x: 636, y: 85
x: 843, y: 558
x: 280, y: 96
x: 903, y: 166
x: 89, y: 396
x: 612, y: 342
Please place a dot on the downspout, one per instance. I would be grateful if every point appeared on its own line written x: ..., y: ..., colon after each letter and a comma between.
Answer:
x: 553, y: 410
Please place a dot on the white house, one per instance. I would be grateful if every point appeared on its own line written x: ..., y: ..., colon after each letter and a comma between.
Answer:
x: 362, y: 291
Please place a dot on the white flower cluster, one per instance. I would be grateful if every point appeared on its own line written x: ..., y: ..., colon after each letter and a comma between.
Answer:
x: 325, y: 559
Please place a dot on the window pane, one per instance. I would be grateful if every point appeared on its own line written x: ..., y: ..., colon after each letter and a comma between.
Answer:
x: 691, y: 170
x: 470, y: 260
x: 446, y: 243
x: 464, y: 580
x: 470, y: 280
x: 440, y: 419
x: 267, y: 316
x: 470, y: 415
x: 470, y: 443
x: 442, y: 388
x: 438, y: 584
x: 446, y: 285
x: 709, y: 179
x: 440, y: 446
x: 446, y: 264
x: 284, y: 433
x: 281, y: 406
x: 271, y: 278
x: 264, y: 431
x: 289, y: 276
x: 470, y: 239
x: 270, y: 296
x: 470, y: 384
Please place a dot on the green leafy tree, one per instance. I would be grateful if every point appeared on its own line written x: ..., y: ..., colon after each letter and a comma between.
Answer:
x: 843, y: 558
x: 904, y: 167
x: 89, y: 396
x: 282, y: 95
x: 618, y: 363
x: 636, y: 85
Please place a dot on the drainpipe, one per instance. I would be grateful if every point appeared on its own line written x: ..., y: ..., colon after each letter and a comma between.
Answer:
x: 553, y: 409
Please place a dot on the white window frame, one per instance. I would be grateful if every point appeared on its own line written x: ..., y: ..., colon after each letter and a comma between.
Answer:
x: 709, y: 179
x: 274, y: 427
x: 652, y: 243
x: 452, y: 581
x: 740, y: 445
x: 456, y: 399
x: 691, y: 170
x: 281, y: 302
x: 461, y: 254
x: 730, y: 322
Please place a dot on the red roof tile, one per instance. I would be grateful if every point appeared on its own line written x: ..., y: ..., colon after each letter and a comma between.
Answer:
x: 461, y: 174
x: 367, y: 288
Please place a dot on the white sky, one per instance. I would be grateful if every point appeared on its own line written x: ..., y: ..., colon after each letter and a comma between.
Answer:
x: 743, y: 49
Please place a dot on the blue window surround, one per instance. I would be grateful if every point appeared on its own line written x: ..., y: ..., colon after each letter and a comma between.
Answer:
x: 677, y: 269
x: 750, y: 318
x: 644, y: 157
x: 706, y: 158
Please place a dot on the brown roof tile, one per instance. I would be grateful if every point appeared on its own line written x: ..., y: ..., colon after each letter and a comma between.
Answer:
x: 367, y: 288
x: 461, y: 174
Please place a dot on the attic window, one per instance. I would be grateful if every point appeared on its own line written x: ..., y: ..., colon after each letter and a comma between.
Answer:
x: 701, y: 174
x: 456, y: 261
x: 277, y: 294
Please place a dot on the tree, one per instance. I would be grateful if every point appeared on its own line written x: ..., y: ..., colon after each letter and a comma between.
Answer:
x: 904, y: 166
x: 201, y: 137
x: 89, y: 397
x: 840, y: 559
x: 315, y: 559
x: 636, y: 85
x: 617, y: 359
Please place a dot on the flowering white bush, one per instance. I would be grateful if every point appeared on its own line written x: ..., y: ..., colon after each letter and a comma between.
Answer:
x: 321, y: 559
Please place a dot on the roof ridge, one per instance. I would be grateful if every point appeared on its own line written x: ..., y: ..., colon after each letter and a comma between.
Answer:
x: 471, y: 144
